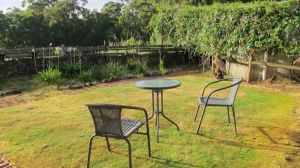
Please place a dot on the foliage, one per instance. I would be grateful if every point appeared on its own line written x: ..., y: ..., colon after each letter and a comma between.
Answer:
x: 50, y: 76
x: 114, y: 71
x: 98, y: 72
x: 135, y: 67
x: 135, y: 19
x: 68, y: 22
x: 108, y: 72
x: 70, y: 70
x: 161, y: 67
x: 3, y: 79
x: 236, y: 27
x: 215, y: 29
x: 57, y: 22
x: 131, y: 41
x: 85, y: 76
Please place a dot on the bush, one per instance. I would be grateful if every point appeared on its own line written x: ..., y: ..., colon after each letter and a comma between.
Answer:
x: 70, y: 70
x: 131, y: 41
x: 108, y: 72
x: 135, y: 67
x: 50, y: 76
x: 236, y: 27
x: 85, y: 76
x: 114, y: 71
x: 98, y: 72
x: 161, y: 67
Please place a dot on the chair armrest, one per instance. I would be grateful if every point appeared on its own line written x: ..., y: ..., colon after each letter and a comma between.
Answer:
x: 123, y: 106
x: 226, y: 79
x: 139, y: 109
x: 220, y: 89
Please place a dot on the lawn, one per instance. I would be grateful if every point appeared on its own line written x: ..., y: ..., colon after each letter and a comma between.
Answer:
x: 50, y: 128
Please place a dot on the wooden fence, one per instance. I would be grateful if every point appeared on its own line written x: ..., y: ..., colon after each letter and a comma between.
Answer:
x: 41, y: 58
x: 46, y: 52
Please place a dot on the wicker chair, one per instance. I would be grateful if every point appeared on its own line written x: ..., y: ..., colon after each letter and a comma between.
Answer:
x: 226, y: 102
x: 109, y: 124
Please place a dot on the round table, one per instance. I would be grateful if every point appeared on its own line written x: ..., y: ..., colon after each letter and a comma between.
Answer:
x: 157, y: 86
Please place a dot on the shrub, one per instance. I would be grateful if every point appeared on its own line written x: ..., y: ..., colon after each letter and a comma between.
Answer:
x: 236, y: 27
x: 131, y: 41
x: 85, y: 76
x: 135, y: 67
x: 70, y: 70
x: 161, y: 67
x: 108, y: 72
x: 114, y: 71
x: 98, y: 72
x: 50, y: 76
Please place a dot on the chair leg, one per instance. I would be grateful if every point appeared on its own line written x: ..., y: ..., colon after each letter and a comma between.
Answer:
x: 233, y: 111
x: 197, y: 113
x: 129, y: 153
x: 228, y: 114
x: 107, y: 142
x: 148, y: 138
x: 201, y: 119
x: 157, y: 127
x: 90, y: 149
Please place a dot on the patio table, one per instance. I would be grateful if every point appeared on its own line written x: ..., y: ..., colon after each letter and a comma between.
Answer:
x: 157, y: 86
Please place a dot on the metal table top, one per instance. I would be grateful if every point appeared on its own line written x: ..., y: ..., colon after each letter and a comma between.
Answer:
x: 158, y: 84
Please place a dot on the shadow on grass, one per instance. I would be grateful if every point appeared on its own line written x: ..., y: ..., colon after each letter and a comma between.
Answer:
x: 164, y: 161
x: 273, y: 146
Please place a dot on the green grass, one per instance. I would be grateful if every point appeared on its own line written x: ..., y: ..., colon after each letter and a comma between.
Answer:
x: 51, y: 128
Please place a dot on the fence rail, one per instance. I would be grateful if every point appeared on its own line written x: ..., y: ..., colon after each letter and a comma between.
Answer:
x: 53, y: 52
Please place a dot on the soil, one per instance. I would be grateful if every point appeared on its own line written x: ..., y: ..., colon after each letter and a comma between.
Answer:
x: 5, y: 164
x: 9, y: 101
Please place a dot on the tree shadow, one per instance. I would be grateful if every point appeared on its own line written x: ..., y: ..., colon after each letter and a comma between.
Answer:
x: 274, y: 145
x: 164, y: 161
x: 295, y: 137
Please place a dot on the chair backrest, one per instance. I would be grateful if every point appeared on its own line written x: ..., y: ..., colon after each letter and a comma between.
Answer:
x: 233, y: 90
x: 107, y: 119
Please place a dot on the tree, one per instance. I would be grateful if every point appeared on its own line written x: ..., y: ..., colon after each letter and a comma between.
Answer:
x: 135, y: 19
x: 112, y: 9
x: 4, y: 26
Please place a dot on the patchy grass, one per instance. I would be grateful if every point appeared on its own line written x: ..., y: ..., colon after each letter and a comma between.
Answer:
x: 51, y: 128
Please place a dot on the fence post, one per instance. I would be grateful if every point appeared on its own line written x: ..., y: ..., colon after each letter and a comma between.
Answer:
x: 265, y: 67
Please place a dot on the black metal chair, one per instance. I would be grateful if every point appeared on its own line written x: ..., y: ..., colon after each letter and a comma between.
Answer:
x: 227, y: 102
x: 109, y: 124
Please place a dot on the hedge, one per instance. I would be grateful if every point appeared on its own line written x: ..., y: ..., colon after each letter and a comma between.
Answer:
x: 233, y: 27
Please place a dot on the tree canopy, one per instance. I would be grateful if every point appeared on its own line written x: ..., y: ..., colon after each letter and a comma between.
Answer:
x: 213, y: 27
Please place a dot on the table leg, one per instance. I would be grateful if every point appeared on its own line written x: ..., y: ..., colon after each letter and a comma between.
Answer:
x: 162, y: 112
x: 157, y: 108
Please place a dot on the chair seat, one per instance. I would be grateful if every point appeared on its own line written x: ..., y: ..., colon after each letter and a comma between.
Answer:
x: 214, y: 101
x: 129, y: 126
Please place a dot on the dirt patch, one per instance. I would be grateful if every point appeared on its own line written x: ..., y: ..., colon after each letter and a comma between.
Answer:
x: 9, y: 101
x: 279, y: 85
x: 5, y: 164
